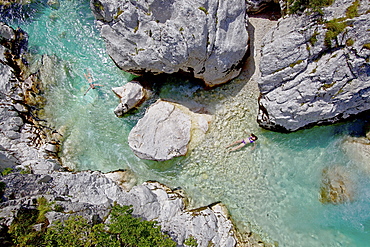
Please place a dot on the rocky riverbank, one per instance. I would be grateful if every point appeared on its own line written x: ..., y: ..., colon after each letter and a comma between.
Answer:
x: 29, y: 147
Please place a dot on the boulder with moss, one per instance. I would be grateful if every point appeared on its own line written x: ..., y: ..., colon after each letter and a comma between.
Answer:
x: 315, y: 67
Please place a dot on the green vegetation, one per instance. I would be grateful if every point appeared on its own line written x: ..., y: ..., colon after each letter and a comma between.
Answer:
x: 334, y: 28
x: 204, y: 10
x: 313, y: 38
x: 352, y: 11
x: 6, y: 171
x: 350, y: 42
x: 296, y: 63
x: 123, y: 230
x: 367, y: 46
x: 191, y: 242
x: 119, y: 12
x: 295, y: 6
x: 26, y: 171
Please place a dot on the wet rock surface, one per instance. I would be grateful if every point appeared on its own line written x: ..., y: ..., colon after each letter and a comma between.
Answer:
x: 207, y: 39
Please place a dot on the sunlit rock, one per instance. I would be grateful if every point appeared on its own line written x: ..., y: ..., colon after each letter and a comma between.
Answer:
x: 337, y: 185
x: 92, y: 194
x: 206, y: 38
x: 124, y: 178
x: 166, y: 131
x: 131, y: 95
x: 22, y: 138
x: 312, y: 75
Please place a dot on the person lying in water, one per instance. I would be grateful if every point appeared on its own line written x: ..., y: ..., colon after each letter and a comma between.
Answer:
x: 242, y: 142
x: 90, y: 80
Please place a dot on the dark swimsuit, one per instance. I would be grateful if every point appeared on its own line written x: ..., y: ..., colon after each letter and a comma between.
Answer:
x: 250, y: 140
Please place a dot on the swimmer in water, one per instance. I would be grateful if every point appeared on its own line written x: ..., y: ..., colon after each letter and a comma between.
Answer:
x: 92, y: 85
x: 242, y: 142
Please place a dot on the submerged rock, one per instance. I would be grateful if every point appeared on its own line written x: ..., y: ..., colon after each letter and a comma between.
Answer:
x: 315, y: 69
x: 337, y: 186
x: 165, y: 131
x: 131, y: 95
x: 207, y: 38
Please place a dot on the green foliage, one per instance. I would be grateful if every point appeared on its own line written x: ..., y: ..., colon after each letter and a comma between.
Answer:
x: 76, y: 231
x: 352, y: 11
x: 191, y: 242
x: 43, y: 206
x: 21, y: 230
x: 367, y: 46
x: 6, y: 171
x: 349, y: 42
x: 334, y: 28
x: 295, y: 63
x: 295, y: 6
x: 136, y: 232
x: 25, y: 171
x: 123, y: 230
x: 204, y: 10
x: 313, y: 38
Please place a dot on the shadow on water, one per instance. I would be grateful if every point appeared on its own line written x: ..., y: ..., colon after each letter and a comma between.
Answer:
x: 169, y: 168
x: 22, y: 13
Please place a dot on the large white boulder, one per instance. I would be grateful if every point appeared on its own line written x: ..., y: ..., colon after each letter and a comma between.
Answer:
x: 166, y: 131
x: 207, y: 38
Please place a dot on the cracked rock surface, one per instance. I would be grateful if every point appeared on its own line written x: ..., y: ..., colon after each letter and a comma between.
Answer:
x: 207, y: 38
x: 91, y: 195
x: 23, y: 141
x: 310, y: 76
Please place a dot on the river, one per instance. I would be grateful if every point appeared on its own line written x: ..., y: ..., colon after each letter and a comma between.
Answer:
x: 273, y: 190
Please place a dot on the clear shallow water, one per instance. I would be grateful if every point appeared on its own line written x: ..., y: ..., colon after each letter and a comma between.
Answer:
x: 274, y: 189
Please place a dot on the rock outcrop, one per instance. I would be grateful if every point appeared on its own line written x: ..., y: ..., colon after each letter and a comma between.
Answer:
x: 23, y: 141
x: 315, y: 69
x: 131, y: 95
x: 207, y: 38
x: 165, y: 131
x: 91, y: 195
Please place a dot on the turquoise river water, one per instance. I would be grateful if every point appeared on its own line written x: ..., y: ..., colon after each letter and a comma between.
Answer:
x: 274, y: 190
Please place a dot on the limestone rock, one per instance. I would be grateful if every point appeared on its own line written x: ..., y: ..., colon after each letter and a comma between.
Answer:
x: 337, y: 186
x: 131, y: 95
x: 20, y: 141
x: 310, y: 76
x: 91, y: 194
x: 207, y: 38
x: 165, y: 131
x: 125, y: 178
